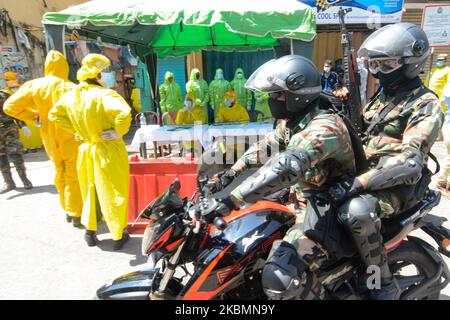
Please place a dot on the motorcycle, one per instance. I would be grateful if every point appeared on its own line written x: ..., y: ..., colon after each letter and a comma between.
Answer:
x: 192, y: 260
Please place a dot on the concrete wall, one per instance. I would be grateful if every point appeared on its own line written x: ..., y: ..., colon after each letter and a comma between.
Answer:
x: 30, y: 11
x: 26, y: 15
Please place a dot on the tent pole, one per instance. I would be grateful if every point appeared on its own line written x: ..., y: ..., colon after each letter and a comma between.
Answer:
x: 292, y: 46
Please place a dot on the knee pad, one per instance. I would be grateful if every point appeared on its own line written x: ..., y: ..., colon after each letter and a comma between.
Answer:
x: 360, y: 215
x: 284, y: 273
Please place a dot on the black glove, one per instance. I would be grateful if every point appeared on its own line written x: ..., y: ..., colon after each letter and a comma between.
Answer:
x: 223, y: 180
x: 345, y: 189
x: 211, y: 208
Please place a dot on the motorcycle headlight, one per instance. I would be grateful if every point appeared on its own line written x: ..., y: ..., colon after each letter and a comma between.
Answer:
x: 149, y: 237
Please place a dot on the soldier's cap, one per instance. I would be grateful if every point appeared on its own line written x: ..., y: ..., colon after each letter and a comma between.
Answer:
x: 442, y: 56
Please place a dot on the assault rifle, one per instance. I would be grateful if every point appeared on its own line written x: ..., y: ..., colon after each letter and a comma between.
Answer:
x: 352, y: 107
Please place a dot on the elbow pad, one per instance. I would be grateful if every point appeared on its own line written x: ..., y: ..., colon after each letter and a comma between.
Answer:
x: 407, y: 170
x: 281, y: 172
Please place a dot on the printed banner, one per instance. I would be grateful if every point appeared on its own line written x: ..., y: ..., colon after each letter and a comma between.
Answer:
x: 370, y: 12
x: 14, y: 61
x: 436, y: 24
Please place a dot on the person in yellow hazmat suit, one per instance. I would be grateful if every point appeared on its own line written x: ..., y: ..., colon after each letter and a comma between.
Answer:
x: 192, y: 113
x: 100, y: 117
x: 217, y: 89
x: 231, y: 110
x: 170, y: 93
x: 439, y: 76
x: 200, y: 88
x: 262, y: 105
x: 31, y: 103
x: 443, y: 181
x: 136, y: 99
x: 243, y: 95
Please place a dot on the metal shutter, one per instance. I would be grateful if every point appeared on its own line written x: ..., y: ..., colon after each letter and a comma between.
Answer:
x: 177, y: 66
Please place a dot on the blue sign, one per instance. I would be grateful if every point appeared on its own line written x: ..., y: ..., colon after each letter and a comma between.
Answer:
x: 370, y: 12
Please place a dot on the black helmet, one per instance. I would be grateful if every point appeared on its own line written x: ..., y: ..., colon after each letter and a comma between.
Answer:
x: 401, y: 45
x: 295, y: 75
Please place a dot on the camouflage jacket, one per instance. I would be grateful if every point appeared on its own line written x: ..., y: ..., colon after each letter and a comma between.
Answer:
x: 5, y: 120
x: 410, y: 124
x: 325, y: 139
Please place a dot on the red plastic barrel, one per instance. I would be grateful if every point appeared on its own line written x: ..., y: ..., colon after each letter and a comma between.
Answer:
x: 150, y: 177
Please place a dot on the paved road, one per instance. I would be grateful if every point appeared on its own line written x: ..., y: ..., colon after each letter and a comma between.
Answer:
x: 44, y: 257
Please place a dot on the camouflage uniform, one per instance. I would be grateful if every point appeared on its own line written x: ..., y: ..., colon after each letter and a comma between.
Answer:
x: 410, y: 124
x: 10, y: 145
x: 327, y: 143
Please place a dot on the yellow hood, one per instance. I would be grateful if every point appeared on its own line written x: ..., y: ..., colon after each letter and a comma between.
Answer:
x: 56, y: 65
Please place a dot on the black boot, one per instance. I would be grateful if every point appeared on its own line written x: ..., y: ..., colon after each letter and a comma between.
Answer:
x: 68, y: 218
x: 90, y: 238
x: 76, y: 222
x: 390, y: 290
x: 118, y: 244
x: 23, y: 176
x: 9, y: 182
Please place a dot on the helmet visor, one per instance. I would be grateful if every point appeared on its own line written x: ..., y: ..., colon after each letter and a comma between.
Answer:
x: 394, y: 41
x: 384, y: 65
x: 265, y: 79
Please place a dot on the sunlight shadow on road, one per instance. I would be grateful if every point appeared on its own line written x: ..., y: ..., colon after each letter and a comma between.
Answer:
x: 39, y: 189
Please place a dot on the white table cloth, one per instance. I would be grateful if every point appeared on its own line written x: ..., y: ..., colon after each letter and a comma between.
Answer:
x: 205, y: 134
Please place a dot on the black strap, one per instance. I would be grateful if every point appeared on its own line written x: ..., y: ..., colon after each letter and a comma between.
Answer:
x: 438, y: 166
x: 412, y: 96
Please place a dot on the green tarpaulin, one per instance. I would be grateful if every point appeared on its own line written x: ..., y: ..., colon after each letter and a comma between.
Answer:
x: 177, y: 27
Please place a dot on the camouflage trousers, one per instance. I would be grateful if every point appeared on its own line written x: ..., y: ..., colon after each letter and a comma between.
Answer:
x: 10, y: 141
x: 389, y: 203
x: 10, y: 146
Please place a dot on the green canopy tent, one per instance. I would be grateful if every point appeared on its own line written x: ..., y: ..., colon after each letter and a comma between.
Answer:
x: 178, y: 27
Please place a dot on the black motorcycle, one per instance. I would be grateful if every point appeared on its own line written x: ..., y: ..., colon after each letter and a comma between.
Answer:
x: 192, y: 260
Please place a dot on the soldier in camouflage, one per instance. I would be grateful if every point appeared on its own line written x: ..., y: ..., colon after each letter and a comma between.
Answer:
x: 402, y: 122
x: 11, y: 146
x: 310, y: 147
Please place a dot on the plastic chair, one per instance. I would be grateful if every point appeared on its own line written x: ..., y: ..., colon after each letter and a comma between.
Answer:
x: 150, y: 118
x: 167, y: 119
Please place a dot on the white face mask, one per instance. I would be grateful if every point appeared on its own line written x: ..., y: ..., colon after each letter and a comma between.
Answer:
x: 327, y: 69
x: 14, y: 90
x: 228, y: 103
x: 107, y: 80
x: 188, y: 103
x: 240, y: 75
x: 220, y: 75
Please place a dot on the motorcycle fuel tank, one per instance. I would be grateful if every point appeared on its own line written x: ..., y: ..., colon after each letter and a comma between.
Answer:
x: 239, y: 249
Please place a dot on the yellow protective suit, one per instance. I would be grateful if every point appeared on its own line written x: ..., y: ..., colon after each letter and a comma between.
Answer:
x: 33, y: 101
x: 439, y: 77
x: 236, y: 113
x: 103, y: 167
x: 34, y: 140
x: 136, y: 99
